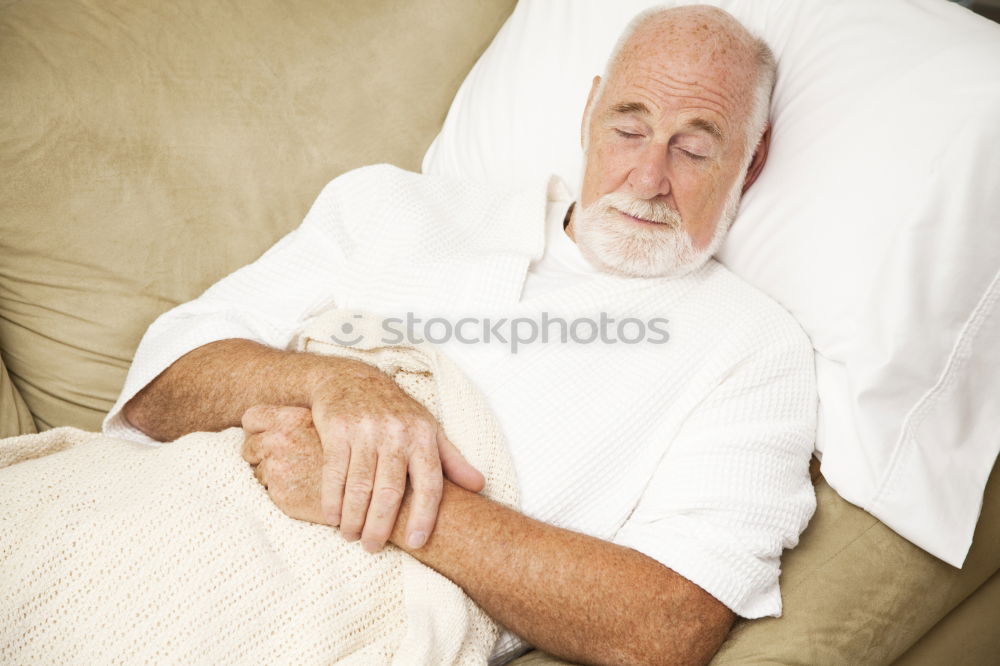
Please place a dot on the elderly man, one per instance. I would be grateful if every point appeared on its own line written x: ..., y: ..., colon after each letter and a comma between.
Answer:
x: 659, y: 486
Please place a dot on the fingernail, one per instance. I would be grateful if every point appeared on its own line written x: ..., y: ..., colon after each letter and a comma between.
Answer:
x: 369, y: 546
x: 416, y: 539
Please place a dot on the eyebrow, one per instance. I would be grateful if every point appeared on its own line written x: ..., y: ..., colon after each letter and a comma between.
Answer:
x: 638, y: 108
x: 707, y: 126
x: 627, y: 108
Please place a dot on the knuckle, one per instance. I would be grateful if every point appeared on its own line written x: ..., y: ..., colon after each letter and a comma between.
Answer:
x: 279, y: 441
x: 335, y: 460
x: 297, y: 418
x: 392, y: 448
x: 431, y: 489
x: 389, y: 495
x: 423, y: 430
x: 301, y: 415
x: 279, y: 470
x: 256, y: 411
x: 338, y: 427
x: 359, y: 487
x: 283, y: 418
x: 257, y: 418
x: 335, y: 477
x: 351, y: 522
x: 394, y: 427
x: 429, y: 460
x: 365, y: 424
x: 336, y: 451
x: 352, y: 517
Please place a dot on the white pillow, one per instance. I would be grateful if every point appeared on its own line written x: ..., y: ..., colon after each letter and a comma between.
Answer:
x: 876, y: 220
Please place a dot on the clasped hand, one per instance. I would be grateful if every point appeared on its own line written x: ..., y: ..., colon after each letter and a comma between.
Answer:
x: 344, y: 461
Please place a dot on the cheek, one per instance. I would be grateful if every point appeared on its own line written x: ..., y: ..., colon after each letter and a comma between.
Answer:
x: 700, y: 200
x: 606, y: 169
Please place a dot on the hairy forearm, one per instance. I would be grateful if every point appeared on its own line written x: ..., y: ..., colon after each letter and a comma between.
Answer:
x: 210, y: 387
x: 575, y: 596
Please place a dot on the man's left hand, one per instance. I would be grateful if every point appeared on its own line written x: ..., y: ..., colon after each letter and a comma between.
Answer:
x: 283, y: 446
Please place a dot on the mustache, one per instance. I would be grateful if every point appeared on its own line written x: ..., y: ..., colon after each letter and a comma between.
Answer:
x: 654, y: 211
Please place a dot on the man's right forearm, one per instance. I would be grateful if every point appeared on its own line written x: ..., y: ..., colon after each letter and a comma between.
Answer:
x: 210, y: 387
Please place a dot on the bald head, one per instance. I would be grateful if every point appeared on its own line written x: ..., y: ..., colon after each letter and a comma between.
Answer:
x: 706, y: 45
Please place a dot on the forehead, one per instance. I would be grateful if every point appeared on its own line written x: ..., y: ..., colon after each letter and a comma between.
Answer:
x: 671, y: 67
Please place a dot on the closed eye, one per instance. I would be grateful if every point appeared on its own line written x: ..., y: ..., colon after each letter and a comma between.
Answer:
x: 627, y: 135
x: 693, y: 156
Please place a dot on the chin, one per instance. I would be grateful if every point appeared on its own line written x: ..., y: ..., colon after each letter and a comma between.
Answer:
x: 617, y: 243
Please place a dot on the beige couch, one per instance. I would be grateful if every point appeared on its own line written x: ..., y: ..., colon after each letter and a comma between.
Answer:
x: 149, y: 148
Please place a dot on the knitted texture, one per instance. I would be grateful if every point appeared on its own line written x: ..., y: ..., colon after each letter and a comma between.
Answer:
x: 116, y: 552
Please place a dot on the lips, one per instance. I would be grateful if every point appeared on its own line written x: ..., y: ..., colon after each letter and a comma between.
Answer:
x: 638, y: 220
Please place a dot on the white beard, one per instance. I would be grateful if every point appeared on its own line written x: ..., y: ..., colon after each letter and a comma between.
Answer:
x: 619, y: 246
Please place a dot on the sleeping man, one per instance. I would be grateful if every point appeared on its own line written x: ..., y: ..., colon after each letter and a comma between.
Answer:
x: 661, y: 445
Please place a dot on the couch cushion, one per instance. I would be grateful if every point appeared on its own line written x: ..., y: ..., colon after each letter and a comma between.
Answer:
x: 854, y: 591
x: 151, y: 148
x: 968, y: 632
x: 15, y: 419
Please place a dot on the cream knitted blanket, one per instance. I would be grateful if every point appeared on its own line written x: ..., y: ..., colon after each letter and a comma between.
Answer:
x: 116, y: 552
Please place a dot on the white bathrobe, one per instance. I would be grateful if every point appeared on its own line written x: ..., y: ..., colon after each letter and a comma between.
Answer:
x: 693, y: 451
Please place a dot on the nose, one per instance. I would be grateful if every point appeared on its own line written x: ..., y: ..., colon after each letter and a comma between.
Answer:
x: 649, y: 177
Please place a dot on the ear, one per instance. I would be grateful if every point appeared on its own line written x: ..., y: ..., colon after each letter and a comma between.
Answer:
x: 759, y: 157
x: 586, y: 111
